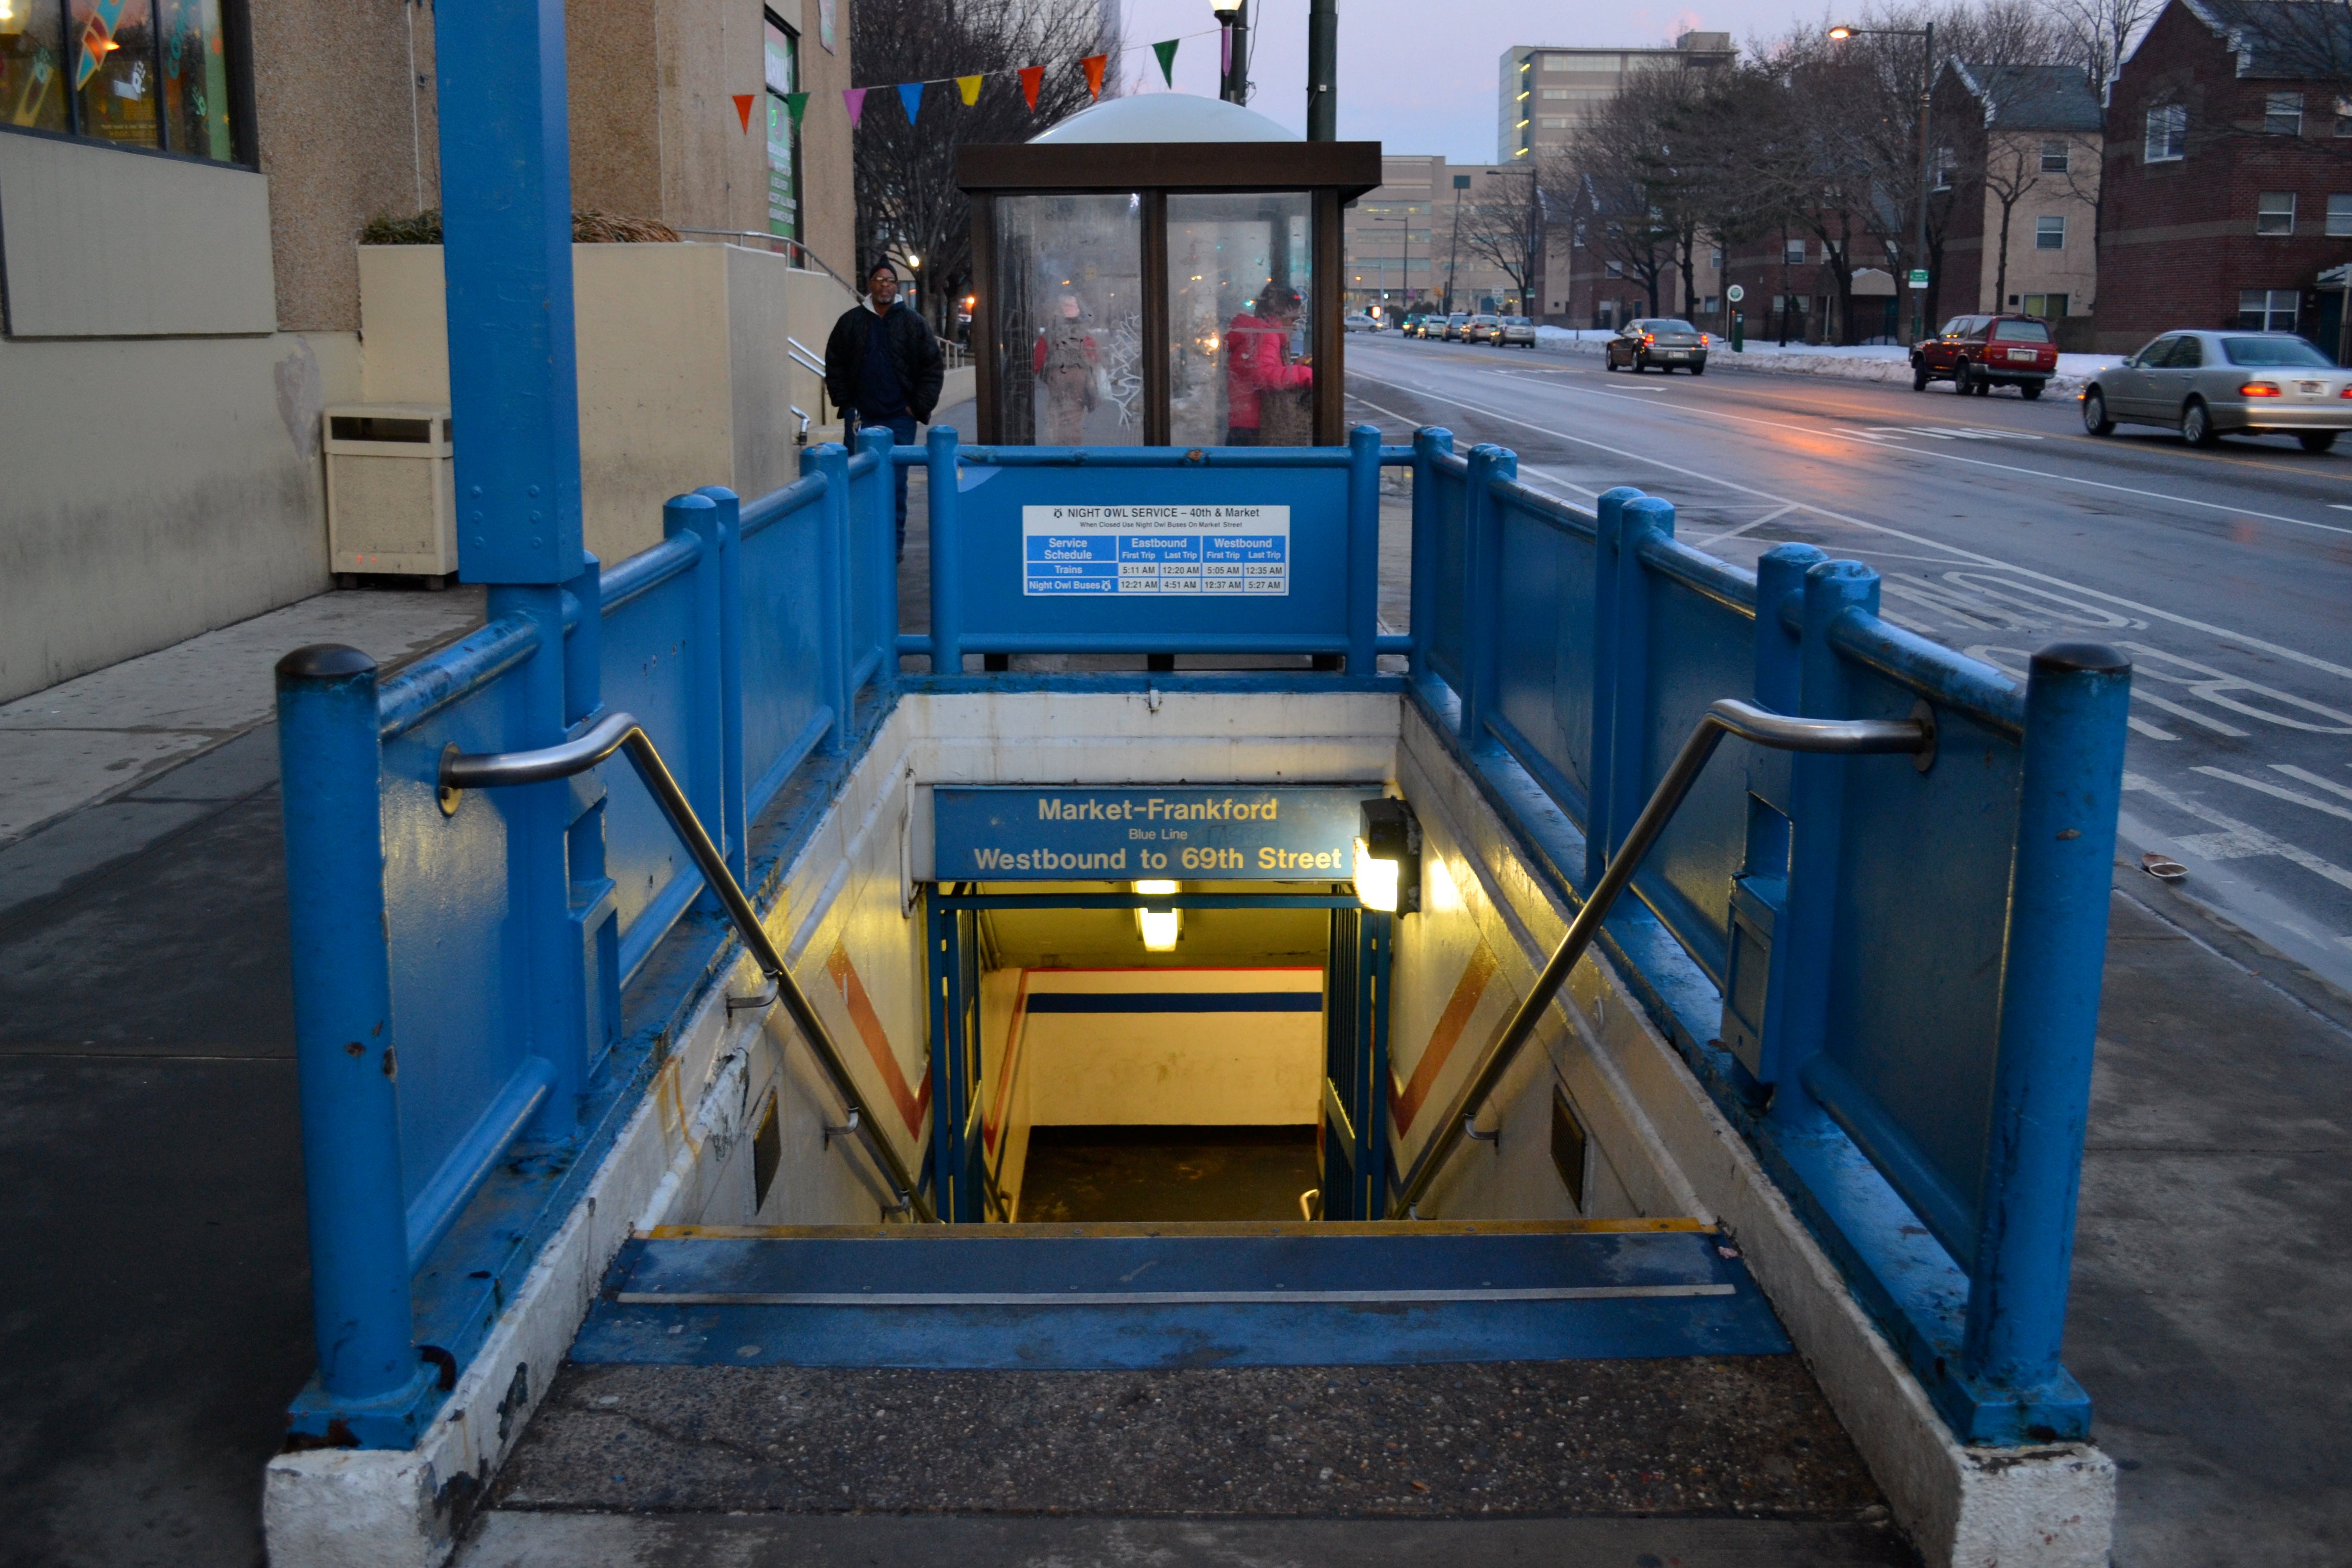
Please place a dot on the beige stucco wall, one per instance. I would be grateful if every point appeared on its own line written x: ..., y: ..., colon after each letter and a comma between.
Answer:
x: 2072, y: 271
x: 684, y: 381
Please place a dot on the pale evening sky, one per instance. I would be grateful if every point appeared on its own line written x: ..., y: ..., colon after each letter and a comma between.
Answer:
x: 1421, y: 78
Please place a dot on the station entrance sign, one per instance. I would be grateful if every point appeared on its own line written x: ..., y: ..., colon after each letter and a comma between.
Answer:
x: 1126, y: 549
x: 1239, y: 833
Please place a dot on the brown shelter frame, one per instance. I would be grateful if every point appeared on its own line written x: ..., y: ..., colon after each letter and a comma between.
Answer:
x: 1333, y: 174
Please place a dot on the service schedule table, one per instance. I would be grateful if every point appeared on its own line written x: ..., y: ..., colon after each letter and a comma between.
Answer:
x: 1155, y: 549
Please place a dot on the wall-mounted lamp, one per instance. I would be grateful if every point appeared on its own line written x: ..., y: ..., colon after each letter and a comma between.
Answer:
x: 1160, y: 928
x: 1388, y: 857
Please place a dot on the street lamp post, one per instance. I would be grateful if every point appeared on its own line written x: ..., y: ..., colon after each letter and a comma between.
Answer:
x: 1841, y: 33
x: 1234, y: 15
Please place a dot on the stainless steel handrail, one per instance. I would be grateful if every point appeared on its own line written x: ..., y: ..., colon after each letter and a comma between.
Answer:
x: 775, y: 239
x: 1836, y: 737
x: 801, y: 354
x: 621, y: 732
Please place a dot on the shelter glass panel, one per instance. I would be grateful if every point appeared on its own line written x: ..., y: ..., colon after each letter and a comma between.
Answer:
x: 1070, y: 270
x: 1241, y: 296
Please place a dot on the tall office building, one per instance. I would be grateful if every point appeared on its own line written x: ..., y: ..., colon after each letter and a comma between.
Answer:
x: 1544, y: 93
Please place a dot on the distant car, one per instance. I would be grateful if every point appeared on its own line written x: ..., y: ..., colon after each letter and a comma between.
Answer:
x: 1660, y: 341
x: 1457, y: 327
x: 1358, y: 322
x: 1481, y: 329
x: 1515, y: 332
x: 2211, y: 384
x: 1412, y: 326
x: 1977, y: 353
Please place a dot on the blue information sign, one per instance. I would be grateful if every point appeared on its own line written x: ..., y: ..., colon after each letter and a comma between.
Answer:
x: 1121, y: 833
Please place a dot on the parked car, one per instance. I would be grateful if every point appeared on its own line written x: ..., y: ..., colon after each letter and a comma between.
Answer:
x: 1456, y: 325
x: 1515, y: 332
x: 1658, y: 341
x: 1358, y: 322
x: 1481, y: 329
x: 2211, y: 384
x: 1977, y: 353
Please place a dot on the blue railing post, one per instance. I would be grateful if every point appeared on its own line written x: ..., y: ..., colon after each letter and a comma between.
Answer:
x: 1609, y: 515
x: 1804, y: 935
x: 1482, y: 578
x: 730, y: 673
x: 1363, y: 549
x: 697, y: 516
x: 879, y: 543
x: 344, y: 1040
x: 1428, y: 443
x: 943, y: 505
x: 1779, y: 577
x: 835, y: 662
x: 595, y: 919
x: 1624, y: 783
x: 2077, y: 698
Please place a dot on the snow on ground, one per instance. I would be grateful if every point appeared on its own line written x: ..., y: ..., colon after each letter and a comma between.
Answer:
x: 1866, y: 361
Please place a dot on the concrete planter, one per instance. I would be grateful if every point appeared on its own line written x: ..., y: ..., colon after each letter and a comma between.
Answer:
x: 683, y: 375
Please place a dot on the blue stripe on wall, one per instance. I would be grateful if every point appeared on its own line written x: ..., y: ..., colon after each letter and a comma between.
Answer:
x: 1175, y: 1002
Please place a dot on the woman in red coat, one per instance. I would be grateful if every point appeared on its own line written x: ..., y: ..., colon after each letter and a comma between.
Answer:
x: 1257, y: 362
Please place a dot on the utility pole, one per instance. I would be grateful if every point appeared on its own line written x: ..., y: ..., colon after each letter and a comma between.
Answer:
x: 1454, y: 252
x: 1322, y: 68
x: 1234, y: 87
x: 1927, y: 36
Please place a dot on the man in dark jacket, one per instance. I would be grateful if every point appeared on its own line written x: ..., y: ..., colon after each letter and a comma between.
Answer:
x: 882, y: 366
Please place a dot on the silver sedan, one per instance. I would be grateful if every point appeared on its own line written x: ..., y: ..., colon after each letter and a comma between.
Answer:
x: 2211, y: 384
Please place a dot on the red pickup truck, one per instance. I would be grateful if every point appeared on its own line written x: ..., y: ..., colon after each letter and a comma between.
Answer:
x: 1977, y: 353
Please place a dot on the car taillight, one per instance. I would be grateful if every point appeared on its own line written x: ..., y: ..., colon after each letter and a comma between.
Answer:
x: 1702, y: 340
x: 2258, y: 389
x: 2345, y: 392
x: 1647, y: 340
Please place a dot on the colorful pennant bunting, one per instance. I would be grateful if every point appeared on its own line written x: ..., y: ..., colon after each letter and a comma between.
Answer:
x: 854, y: 97
x: 911, y: 93
x: 796, y: 103
x: 969, y: 87
x: 1093, y: 65
x: 1167, y: 53
x: 744, y: 101
x: 1032, y: 79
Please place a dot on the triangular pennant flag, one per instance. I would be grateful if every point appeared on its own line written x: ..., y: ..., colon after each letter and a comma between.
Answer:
x: 1032, y: 78
x: 1167, y: 53
x: 743, y: 110
x: 856, y: 98
x: 969, y: 86
x: 1094, y: 69
x: 911, y: 93
x: 797, y: 103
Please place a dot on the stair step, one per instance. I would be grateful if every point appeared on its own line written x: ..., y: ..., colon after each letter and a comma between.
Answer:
x: 1099, y: 1296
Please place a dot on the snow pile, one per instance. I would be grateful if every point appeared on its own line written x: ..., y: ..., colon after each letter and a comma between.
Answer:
x: 1868, y: 362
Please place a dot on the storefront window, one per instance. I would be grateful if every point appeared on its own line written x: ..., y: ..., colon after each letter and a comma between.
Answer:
x: 1071, y: 321
x: 1240, y: 299
x: 784, y: 62
x: 106, y: 70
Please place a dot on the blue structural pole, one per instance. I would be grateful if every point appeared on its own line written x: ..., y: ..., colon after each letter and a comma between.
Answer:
x: 1429, y: 443
x: 506, y: 219
x: 696, y: 517
x: 730, y: 673
x: 1363, y: 549
x: 1609, y: 515
x: 344, y: 1051
x: 1482, y: 539
x: 877, y: 611
x: 2077, y: 698
x: 943, y: 505
x: 832, y: 461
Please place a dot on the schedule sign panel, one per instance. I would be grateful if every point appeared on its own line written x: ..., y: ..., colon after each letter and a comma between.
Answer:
x: 1196, y: 550
x: 1119, y: 832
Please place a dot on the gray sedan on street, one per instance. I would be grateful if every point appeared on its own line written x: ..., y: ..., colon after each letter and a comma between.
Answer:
x: 2211, y: 384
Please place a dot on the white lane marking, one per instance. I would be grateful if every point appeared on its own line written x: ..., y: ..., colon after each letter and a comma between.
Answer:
x: 2276, y: 790
x: 1973, y: 462
x: 2182, y: 711
x: 2242, y: 832
x: 1957, y: 431
x: 2307, y: 776
x: 2140, y: 726
x: 2213, y: 685
x: 1549, y: 478
x: 1736, y: 532
x: 2310, y: 660
x: 2339, y: 506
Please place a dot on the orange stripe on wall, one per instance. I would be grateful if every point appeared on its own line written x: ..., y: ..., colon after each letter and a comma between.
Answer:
x: 994, y: 1127
x: 1405, y: 1103
x: 911, y: 1106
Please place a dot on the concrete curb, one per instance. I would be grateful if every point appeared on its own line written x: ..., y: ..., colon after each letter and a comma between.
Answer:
x: 1838, y: 367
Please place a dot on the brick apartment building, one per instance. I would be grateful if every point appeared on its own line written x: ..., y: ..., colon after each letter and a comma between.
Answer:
x: 2020, y: 212
x: 2228, y: 178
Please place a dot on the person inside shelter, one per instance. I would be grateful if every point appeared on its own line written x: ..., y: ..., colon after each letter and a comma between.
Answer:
x: 1065, y: 361
x: 1266, y: 393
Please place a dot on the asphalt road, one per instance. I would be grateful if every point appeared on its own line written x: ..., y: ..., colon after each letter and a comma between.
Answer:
x: 1999, y: 525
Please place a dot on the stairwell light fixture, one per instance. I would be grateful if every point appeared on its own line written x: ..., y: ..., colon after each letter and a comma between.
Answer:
x: 1159, y: 928
x: 1388, y: 857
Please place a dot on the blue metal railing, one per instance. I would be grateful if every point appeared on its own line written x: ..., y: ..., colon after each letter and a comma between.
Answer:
x: 1911, y: 1070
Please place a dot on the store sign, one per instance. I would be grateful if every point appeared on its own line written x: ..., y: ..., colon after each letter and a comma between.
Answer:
x: 1155, y: 550
x: 1082, y: 833
x: 1918, y: 278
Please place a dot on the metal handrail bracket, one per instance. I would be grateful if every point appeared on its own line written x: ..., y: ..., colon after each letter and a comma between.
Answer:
x: 1729, y: 716
x: 462, y: 770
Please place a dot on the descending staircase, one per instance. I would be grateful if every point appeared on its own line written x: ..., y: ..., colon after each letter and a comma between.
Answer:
x: 1136, y: 1296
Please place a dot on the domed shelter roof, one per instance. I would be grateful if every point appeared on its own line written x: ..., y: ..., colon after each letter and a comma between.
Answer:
x: 1164, y: 117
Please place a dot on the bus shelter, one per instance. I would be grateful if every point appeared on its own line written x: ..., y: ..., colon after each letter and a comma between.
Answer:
x: 1162, y: 270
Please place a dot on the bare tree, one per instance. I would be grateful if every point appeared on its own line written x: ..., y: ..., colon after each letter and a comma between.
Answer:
x: 2097, y: 34
x: 1503, y: 228
x: 908, y: 203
